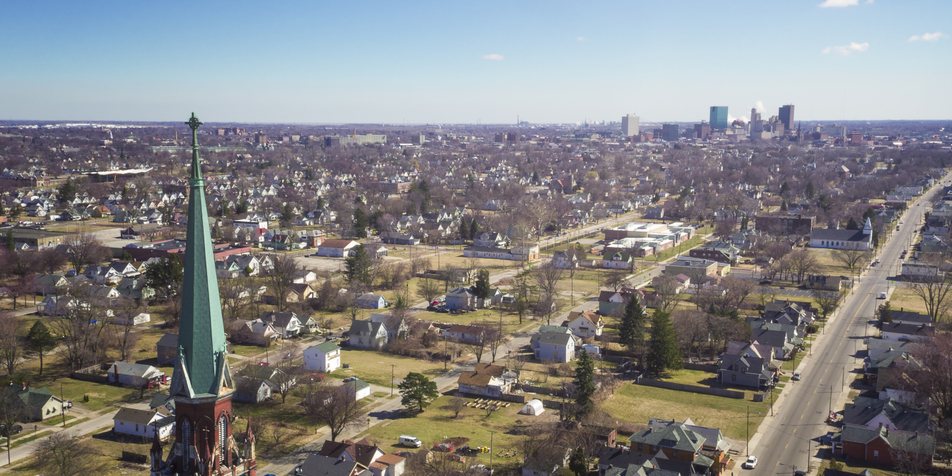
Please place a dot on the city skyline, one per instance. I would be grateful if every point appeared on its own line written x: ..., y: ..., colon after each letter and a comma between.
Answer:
x: 458, y: 64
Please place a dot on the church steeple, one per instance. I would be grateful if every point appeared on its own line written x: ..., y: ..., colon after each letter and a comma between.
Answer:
x: 201, y: 368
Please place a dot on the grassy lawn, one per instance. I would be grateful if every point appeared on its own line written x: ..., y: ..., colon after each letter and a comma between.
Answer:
x: 375, y: 367
x: 437, y: 423
x: 903, y: 298
x: 856, y: 467
x: 637, y: 403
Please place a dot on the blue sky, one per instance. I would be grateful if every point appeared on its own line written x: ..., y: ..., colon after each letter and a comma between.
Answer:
x: 468, y: 62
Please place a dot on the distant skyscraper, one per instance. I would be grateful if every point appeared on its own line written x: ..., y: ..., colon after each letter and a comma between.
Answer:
x: 669, y: 132
x: 786, y: 116
x: 629, y: 125
x: 718, y: 117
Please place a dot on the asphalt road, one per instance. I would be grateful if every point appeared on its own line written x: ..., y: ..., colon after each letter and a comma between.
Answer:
x: 786, y: 442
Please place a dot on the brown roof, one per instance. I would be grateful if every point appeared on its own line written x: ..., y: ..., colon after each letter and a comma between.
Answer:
x: 481, y: 376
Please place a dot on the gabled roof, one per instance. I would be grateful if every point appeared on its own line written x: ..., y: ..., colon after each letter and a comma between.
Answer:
x: 918, y: 443
x: 903, y: 416
x: 553, y: 338
x: 674, y: 435
x: 141, y: 417
x: 318, y: 465
x: 327, y: 347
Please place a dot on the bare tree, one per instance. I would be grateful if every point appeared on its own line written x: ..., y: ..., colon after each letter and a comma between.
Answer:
x: 615, y: 279
x: 547, y: 279
x: 11, y: 344
x: 666, y: 287
x: 428, y: 289
x: 63, y: 454
x: 49, y: 260
x: 478, y: 342
x: 934, y: 292
x: 235, y: 296
x: 802, y: 263
x: 691, y: 328
x: 494, y: 338
x: 123, y: 336
x: 12, y: 410
x: 826, y: 300
x: 456, y: 405
x: 851, y: 258
x: 335, y: 407
x: 82, y: 328
x: 289, y: 369
x: 84, y: 250
x: 279, y: 279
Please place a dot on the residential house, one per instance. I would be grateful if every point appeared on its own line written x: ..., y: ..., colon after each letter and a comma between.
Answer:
x: 39, y: 403
x: 397, y: 326
x: 167, y: 349
x: 555, y: 347
x: 360, y: 452
x: 324, y: 357
x: 872, y: 413
x: 461, y: 298
x: 318, y: 465
x: 371, y: 301
x: 720, y: 251
x: 254, y: 332
x: 561, y: 259
x: 909, y: 317
x: 744, y: 370
x: 367, y: 335
x: 134, y: 375
x: 50, y: 283
x: 300, y: 292
x: 464, y: 333
x: 286, y: 324
x: 251, y: 389
x: 486, y: 380
x: 144, y: 423
x: 898, y: 331
x: 609, y: 301
x: 830, y: 283
x: 133, y: 320
x: 586, y: 324
x: 304, y: 276
x: 888, y: 447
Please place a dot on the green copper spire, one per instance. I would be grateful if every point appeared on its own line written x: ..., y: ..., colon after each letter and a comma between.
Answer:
x: 201, y: 369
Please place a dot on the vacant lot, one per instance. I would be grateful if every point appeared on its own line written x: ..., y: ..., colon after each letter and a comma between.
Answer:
x: 375, y: 367
x: 636, y: 403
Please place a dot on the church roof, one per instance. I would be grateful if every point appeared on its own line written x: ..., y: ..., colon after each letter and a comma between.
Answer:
x: 201, y: 369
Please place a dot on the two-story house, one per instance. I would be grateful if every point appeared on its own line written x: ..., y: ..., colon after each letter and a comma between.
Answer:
x: 323, y: 357
x: 367, y: 335
x: 585, y: 324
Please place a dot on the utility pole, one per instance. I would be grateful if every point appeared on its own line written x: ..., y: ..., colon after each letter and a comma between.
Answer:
x: 391, y: 379
x: 63, y: 402
x: 491, y: 433
x: 748, y: 431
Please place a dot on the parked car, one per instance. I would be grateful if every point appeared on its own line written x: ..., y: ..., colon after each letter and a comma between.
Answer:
x: 408, y: 440
x: 796, y: 376
x: 751, y: 462
x: 443, y: 447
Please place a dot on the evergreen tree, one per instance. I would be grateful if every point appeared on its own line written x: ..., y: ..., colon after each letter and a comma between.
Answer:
x: 165, y: 274
x: 744, y: 222
x: 16, y: 211
x: 578, y: 464
x: 463, y: 229
x: 3, y: 211
x: 11, y: 244
x: 632, y: 332
x: 68, y: 191
x: 473, y: 229
x: 665, y: 354
x: 357, y: 266
x: 783, y: 205
x: 41, y: 340
x: 871, y: 215
x: 287, y: 215
x: 784, y: 187
x: 584, y: 384
x: 360, y: 223
x: 320, y: 203
x: 884, y: 314
x: 481, y: 287
x: 417, y: 391
x: 852, y: 225
x: 811, y: 190
x: 535, y: 177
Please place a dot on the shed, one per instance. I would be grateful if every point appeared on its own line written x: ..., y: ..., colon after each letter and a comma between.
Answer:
x: 534, y: 407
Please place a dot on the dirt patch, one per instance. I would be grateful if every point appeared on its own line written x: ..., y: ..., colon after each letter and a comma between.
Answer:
x: 457, y: 441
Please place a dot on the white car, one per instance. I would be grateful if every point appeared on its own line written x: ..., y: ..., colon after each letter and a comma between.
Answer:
x: 751, y: 462
x: 796, y: 376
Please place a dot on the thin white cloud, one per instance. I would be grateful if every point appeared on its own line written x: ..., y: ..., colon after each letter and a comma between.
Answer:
x: 582, y: 38
x: 839, y: 3
x: 869, y: 1
x: 847, y: 50
x: 493, y: 57
x: 927, y: 36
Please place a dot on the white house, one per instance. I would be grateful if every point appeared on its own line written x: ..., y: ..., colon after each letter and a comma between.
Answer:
x: 144, y: 423
x: 555, y: 347
x: 141, y: 318
x: 134, y: 375
x: 324, y: 357
x: 286, y: 324
x: 586, y: 324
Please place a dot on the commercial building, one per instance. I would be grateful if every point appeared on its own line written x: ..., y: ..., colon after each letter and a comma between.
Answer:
x: 718, y: 119
x: 363, y: 139
x: 630, y: 125
x: 786, y: 117
x: 702, y: 131
x: 669, y: 132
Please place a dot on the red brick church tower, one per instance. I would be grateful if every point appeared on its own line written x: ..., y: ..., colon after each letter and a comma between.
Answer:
x: 202, y: 384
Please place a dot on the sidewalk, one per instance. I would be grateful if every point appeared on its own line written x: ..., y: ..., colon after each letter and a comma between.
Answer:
x: 26, y: 450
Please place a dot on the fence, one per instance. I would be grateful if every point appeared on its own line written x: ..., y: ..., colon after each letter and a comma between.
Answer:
x: 691, y: 388
x: 93, y: 373
x: 542, y: 390
x: 711, y: 367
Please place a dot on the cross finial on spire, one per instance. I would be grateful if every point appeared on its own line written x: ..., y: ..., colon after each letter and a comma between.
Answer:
x: 193, y: 122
